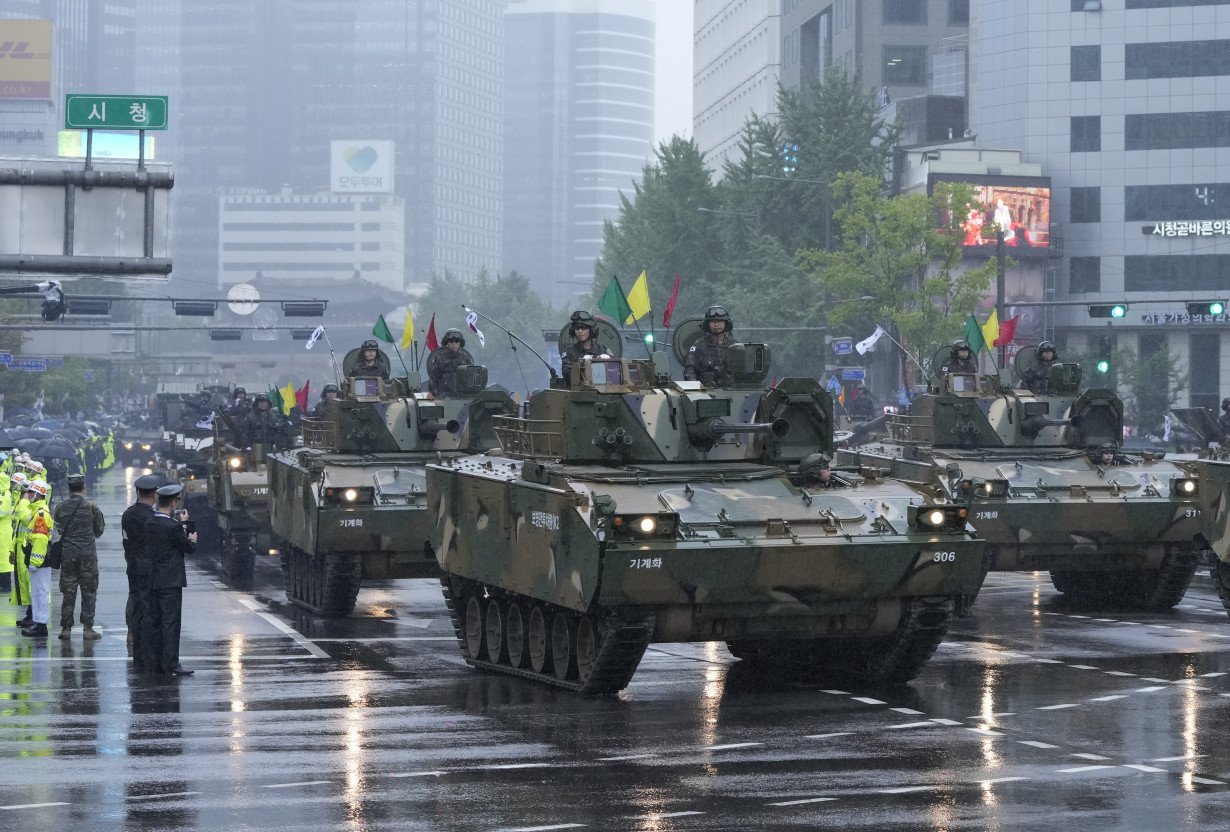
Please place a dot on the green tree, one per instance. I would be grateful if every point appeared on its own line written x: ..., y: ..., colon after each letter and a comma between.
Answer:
x: 894, y: 251
x: 1148, y: 384
x: 508, y: 299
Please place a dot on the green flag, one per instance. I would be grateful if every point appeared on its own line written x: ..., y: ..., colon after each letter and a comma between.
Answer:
x: 973, y: 335
x: 275, y: 399
x: 381, y: 331
x: 614, y: 303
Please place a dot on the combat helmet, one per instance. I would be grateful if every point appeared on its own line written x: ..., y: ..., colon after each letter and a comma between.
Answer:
x: 329, y: 388
x: 370, y: 344
x: 717, y: 313
x: 957, y: 346
x: 584, y: 319
x: 1043, y: 347
x: 453, y: 334
x: 261, y: 397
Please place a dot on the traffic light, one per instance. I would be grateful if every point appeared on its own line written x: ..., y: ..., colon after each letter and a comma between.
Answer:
x: 648, y: 339
x: 1108, y: 310
x: 790, y: 158
x: 1207, y: 307
x: 1105, y: 353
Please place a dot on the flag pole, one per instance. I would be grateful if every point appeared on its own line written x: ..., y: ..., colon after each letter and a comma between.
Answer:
x: 337, y: 374
x: 903, y: 349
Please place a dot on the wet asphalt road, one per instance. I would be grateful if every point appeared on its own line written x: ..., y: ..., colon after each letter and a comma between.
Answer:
x: 1031, y: 716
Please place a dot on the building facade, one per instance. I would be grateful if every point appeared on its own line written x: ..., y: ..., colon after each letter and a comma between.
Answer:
x: 311, y: 237
x: 578, y: 127
x: 1126, y: 106
x: 736, y: 67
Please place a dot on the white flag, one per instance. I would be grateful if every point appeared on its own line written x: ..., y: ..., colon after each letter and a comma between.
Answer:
x: 869, y: 342
x: 316, y: 333
x: 1166, y: 428
x: 472, y: 323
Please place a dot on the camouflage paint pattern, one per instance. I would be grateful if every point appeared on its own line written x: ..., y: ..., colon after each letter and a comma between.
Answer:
x: 1214, y: 487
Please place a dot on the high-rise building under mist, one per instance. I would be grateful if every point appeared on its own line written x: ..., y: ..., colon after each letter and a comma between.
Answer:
x: 578, y: 127
x: 265, y: 87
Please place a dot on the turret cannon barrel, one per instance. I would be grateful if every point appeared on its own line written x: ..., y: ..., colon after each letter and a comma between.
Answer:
x: 432, y: 428
x: 710, y: 430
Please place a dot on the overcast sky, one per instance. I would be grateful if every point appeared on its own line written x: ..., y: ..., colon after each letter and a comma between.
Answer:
x: 673, y: 96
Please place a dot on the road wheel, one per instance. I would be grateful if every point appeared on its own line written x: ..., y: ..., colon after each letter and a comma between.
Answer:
x: 494, y: 621
x: 539, y: 644
x: 474, y: 627
x: 587, y: 646
x: 515, y: 636
x: 562, y: 630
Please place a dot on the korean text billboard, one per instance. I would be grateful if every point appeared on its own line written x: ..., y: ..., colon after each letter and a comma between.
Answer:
x: 361, y: 167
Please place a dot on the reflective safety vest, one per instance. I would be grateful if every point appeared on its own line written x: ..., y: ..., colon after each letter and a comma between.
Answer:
x: 6, y: 528
x: 39, y: 536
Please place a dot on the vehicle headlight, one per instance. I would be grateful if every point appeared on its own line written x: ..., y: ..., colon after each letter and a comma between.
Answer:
x: 1184, y: 487
x: 236, y: 462
x: 128, y: 446
x: 934, y: 518
x: 350, y: 495
x: 644, y: 526
x: 144, y: 446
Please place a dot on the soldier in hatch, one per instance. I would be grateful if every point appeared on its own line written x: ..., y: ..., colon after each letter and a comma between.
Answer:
x: 708, y: 359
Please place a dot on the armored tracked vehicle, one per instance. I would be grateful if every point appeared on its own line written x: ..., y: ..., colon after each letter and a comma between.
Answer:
x: 1049, y: 485
x: 629, y: 509
x: 351, y: 504
x: 1213, y: 476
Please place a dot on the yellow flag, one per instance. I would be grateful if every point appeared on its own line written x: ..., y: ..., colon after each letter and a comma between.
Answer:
x: 288, y: 397
x: 407, y: 334
x: 990, y: 330
x: 638, y: 299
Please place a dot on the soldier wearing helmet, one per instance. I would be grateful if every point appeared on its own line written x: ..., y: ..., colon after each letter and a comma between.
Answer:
x: 708, y: 359
x: 442, y: 364
x: 1106, y: 455
x: 961, y: 359
x: 330, y: 393
x: 240, y: 404
x: 264, y: 425
x: 815, y: 471
x: 369, y: 364
x: 1038, y: 377
x: 584, y: 329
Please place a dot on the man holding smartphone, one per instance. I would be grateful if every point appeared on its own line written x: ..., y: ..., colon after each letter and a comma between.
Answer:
x: 166, y: 543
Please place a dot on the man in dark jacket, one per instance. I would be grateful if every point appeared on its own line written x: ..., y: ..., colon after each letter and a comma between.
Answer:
x: 263, y: 426
x: 584, y: 328
x: 442, y: 364
x: 166, y: 543
x: 132, y: 524
x: 708, y: 359
x: 80, y: 522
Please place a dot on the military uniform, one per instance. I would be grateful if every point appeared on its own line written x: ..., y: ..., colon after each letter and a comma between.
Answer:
x: 708, y: 360
x: 80, y: 523
x: 262, y: 428
x: 1038, y: 377
x: 1223, y: 423
x: 132, y: 524
x: 962, y: 365
x: 573, y: 355
x: 166, y: 544
x: 442, y: 367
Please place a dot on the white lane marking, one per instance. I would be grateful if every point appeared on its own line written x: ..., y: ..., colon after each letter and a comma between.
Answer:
x: 730, y: 745
x: 811, y: 800
x: 837, y: 692
x: 1159, y: 626
x: 1109, y: 698
x: 508, y: 766
x: 1149, y: 690
x: 867, y: 700
x: 1184, y: 630
x: 1081, y: 768
x: 1057, y: 707
x: 947, y: 722
x: 1089, y: 756
x: 1150, y: 769
x: 1048, y: 661
x: 908, y: 789
x: 1177, y: 759
x: 293, y: 785
x: 1037, y: 744
x: 926, y: 724
x: 284, y: 628
x: 1212, y: 675
x: 1106, y: 620
x: 664, y: 815
x: 625, y: 757
x: 907, y: 711
x: 828, y: 736
x: 1117, y: 673
x: 403, y: 774
x: 1000, y: 780
x: 389, y: 638
x: 994, y: 715
x: 1206, y: 781
x: 160, y: 796
x: 985, y: 731
x: 1073, y: 615
x: 546, y: 828
x: 1084, y: 667
x: 31, y: 806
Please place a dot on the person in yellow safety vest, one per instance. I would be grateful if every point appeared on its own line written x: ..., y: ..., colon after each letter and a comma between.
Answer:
x: 6, y: 531
x: 20, y: 595
x: 38, y: 538
x: 110, y: 448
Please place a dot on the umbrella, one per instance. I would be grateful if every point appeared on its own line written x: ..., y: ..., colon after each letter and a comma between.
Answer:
x: 53, y: 424
x: 28, y: 445
x: 6, y: 439
x: 56, y: 448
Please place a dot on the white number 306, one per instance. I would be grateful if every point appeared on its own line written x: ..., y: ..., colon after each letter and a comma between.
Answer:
x: 944, y: 557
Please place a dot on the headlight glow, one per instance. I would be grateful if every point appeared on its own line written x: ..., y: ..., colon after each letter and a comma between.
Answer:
x: 647, y: 525
x: 350, y: 495
x: 934, y: 517
x: 128, y: 446
x: 144, y: 446
x: 235, y: 462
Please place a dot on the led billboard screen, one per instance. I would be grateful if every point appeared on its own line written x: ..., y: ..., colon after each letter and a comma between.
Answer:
x: 1020, y: 205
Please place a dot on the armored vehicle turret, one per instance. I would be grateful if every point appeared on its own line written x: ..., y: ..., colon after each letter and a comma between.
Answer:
x: 1050, y: 486
x: 351, y: 503
x: 630, y: 509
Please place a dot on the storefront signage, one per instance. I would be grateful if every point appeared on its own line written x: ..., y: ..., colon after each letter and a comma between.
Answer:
x: 1186, y: 228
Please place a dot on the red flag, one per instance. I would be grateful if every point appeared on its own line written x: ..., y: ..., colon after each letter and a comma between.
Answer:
x: 301, y: 396
x: 670, y: 305
x: 1007, y: 332
x: 432, y: 343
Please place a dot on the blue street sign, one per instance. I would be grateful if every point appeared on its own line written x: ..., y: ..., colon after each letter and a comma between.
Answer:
x: 6, y: 358
x: 843, y: 346
x: 853, y: 374
x: 30, y: 365
x: 55, y: 361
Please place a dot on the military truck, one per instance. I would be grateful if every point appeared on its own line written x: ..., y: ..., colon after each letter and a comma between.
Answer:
x: 629, y: 508
x: 1050, y: 487
x: 351, y: 504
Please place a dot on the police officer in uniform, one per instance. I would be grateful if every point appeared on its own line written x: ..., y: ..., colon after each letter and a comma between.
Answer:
x: 584, y: 329
x: 132, y: 524
x: 961, y: 359
x: 442, y: 364
x: 166, y: 544
x: 263, y: 426
x: 708, y: 359
x: 330, y: 393
x: 1038, y: 377
x: 369, y: 364
x: 80, y: 523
